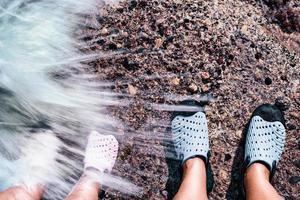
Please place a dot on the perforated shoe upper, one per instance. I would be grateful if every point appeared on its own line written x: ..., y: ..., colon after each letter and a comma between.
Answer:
x: 190, y: 136
x: 101, y: 151
x: 265, y: 141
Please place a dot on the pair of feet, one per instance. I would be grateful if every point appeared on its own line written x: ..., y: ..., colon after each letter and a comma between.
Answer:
x: 263, y: 147
x: 264, y: 143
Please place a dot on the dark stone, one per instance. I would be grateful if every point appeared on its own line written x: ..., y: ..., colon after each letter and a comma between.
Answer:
x: 220, y: 61
x: 229, y: 59
x: 140, y: 50
x: 186, y: 20
x: 132, y: 4
x: 165, y: 193
x: 142, y: 167
x: 144, y: 178
x: 297, y: 163
x: 268, y: 81
x: 227, y: 157
x: 252, y: 45
x: 129, y: 65
x: 288, y: 18
x: 149, y: 72
x: 143, y: 4
x: 120, y: 9
x: 87, y: 38
x: 275, y: 3
x: 113, y: 46
x: 294, y: 180
x: 282, y: 103
x: 293, y: 64
x: 291, y: 127
x: 114, y: 31
x: 100, y: 19
x: 101, y: 41
x: 258, y: 55
x: 283, y: 77
x: 161, y: 30
x: 168, y: 40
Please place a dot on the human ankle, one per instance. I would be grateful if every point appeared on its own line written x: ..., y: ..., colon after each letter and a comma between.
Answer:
x: 255, y: 172
x: 193, y: 163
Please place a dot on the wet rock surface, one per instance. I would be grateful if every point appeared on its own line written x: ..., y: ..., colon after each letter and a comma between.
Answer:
x: 229, y: 53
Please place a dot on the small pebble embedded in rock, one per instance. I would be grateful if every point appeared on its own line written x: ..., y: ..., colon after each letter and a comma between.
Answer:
x: 132, y: 90
x: 132, y: 4
x: 205, y: 75
x: 104, y: 31
x: 193, y: 87
x: 130, y: 65
x: 175, y: 81
x: 258, y: 56
x: 283, y: 103
x: 297, y: 163
x: 205, y: 88
x: 294, y: 180
x: 158, y: 43
x: 227, y: 157
x: 268, y: 81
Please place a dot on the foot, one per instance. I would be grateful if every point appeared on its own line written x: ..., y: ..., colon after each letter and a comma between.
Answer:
x: 101, y: 152
x: 263, y: 148
x: 265, y: 138
x: 190, y: 136
x: 191, y: 141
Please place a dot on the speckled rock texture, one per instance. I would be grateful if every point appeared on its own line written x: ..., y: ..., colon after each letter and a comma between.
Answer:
x: 233, y: 55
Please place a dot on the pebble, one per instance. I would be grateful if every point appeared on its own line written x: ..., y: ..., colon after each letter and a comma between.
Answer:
x: 294, y: 180
x: 158, y: 43
x: 244, y: 29
x: 130, y: 65
x: 258, y: 55
x: 124, y: 34
x: 160, y: 21
x: 165, y: 193
x: 297, y: 163
x: 143, y: 3
x: 227, y: 157
x: 132, y: 90
x: 268, y: 81
x: 239, y: 133
x: 282, y: 103
x: 291, y: 127
x: 205, y: 88
x: 223, y: 174
x: 193, y: 87
x: 143, y: 35
x: 104, y: 31
x: 112, y: 46
x: 175, y: 81
x: 205, y: 75
x: 295, y: 115
x: 132, y: 4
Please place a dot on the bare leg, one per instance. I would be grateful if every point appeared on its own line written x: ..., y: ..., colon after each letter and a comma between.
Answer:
x: 22, y: 193
x: 193, y: 186
x: 257, y: 184
x: 86, y: 189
